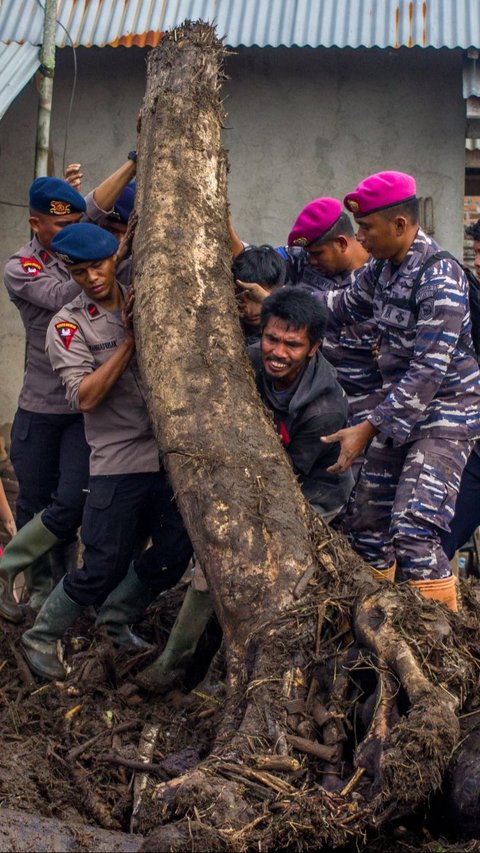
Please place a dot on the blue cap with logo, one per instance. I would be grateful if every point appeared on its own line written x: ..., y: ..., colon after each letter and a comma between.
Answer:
x: 55, y: 197
x: 124, y: 204
x: 84, y: 241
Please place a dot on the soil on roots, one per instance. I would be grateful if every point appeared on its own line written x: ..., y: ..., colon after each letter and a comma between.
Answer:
x: 73, y: 750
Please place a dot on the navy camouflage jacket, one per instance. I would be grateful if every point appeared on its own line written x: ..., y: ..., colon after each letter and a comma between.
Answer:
x: 431, y: 380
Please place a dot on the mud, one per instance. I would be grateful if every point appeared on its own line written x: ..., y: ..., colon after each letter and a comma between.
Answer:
x: 69, y: 750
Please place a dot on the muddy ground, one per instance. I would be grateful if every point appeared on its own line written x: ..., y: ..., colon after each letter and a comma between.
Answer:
x: 70, y: 751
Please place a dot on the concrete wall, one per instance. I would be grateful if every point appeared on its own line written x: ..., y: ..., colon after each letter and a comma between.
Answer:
x: 301, y: 123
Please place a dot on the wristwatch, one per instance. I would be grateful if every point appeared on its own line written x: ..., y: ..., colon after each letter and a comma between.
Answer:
x: 132, y: 155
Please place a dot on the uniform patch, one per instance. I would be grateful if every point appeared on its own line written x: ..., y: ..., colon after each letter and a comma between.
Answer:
x: 66, y: 332
x: 59, y: 208
x: 92, y: 309
x: 31, y: 266
x: 425, y: 310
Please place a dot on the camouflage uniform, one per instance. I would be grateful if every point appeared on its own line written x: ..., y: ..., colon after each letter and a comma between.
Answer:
x: 348, y: 347
x: 431, y: 409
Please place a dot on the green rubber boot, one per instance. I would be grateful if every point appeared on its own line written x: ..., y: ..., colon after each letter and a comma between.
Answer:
x: 31, y: 542
x: 39, y: 644
x: 169, y: 668
x: 38, y: 582
x: 125, y: 604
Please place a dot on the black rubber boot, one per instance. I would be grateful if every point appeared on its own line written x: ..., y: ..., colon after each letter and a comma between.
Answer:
x: 31, y: 542
x: 170, y: 667
x: 126, y: 604
x: 39, y: 644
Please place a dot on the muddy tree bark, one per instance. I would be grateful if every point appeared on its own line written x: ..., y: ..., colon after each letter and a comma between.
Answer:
x: 288, y: 592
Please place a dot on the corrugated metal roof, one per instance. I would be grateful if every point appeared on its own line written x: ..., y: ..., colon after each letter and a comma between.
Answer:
x: 18, y: 63
x: 313, y: 23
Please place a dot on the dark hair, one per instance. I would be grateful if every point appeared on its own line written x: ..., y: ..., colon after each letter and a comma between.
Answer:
x: 342, y: 227
x: 298, y: 308
x: 260, y: 264
x: 473, y: 231
x: 409, y: 208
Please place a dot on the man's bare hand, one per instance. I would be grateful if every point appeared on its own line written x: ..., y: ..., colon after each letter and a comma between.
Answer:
x: 73, y: 175
x: 125, y: 244
x: 353, y: 441
x: 127, y: 312
x: 252, y: 291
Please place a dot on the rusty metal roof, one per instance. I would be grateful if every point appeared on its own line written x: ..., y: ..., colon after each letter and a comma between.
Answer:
x: 273, y: 23
x: 313, y: 23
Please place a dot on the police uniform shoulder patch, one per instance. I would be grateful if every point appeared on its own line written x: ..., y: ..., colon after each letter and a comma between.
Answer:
x: 66, y: 332
x: 31, y: 266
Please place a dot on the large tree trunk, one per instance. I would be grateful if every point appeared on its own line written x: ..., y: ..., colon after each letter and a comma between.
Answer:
x: 286, y: 590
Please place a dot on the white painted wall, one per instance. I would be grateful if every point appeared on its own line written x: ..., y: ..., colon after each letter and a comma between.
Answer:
x: 301, y: 123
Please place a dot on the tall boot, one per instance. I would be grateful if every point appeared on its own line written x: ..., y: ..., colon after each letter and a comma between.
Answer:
x: 38, y: 581
x: 443, y: 590
x: 125, y: 604
x: 39, y: 644
x: 32, y: 541
x: 169, y: 668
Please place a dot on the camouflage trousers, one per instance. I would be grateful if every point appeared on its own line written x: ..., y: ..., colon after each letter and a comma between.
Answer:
x: 404, y: 498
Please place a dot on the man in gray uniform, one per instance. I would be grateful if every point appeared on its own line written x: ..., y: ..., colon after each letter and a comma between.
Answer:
x: 92, y: 350
x: 49, y: 451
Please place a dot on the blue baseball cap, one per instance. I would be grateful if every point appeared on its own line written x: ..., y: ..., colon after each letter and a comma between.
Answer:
x: 55, y: 197
x: 124, y: 204
x: 84, y: 241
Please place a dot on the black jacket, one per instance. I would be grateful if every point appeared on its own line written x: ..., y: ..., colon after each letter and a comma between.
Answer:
x: 318, y: 407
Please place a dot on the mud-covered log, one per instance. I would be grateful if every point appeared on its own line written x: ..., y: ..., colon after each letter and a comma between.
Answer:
x: 22, y: 831
x: 235, y: 488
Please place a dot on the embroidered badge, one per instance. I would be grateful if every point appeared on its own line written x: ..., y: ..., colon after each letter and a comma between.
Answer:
x: 425, y: 311
x: 59, y: 208
x: 65, y: 258
x: 353, y: 205
x: 66, y: 332
x: 31, y: 266
x: 92, y: 309
x: 300, y: 241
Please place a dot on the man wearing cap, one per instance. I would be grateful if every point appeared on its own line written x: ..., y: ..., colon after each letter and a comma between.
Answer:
x: 92, y: 350
x: 49, y: 451
x: 419, y: 433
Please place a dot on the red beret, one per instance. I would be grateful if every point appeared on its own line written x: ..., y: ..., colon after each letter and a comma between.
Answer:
x: 314, y: 221
x: 380, y: 191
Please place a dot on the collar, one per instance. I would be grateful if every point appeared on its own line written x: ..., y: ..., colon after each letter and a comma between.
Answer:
x: 94, y: 310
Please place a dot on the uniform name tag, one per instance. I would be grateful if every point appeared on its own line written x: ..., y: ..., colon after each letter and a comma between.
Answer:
x: 66, y: 332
